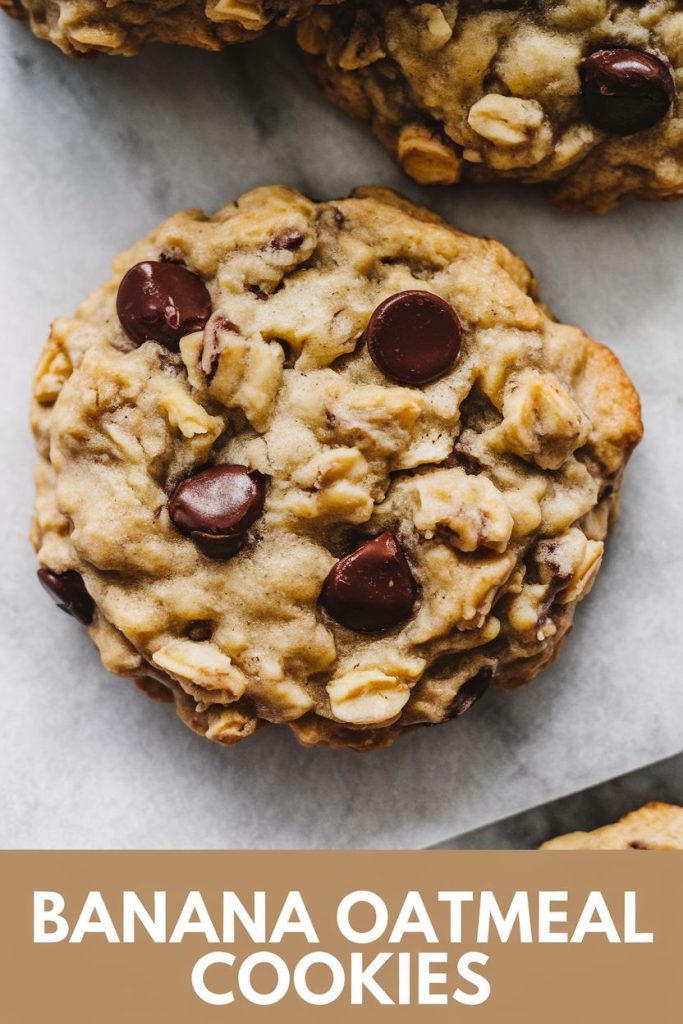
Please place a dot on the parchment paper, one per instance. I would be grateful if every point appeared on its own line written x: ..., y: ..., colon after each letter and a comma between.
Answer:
x: 93, y: 154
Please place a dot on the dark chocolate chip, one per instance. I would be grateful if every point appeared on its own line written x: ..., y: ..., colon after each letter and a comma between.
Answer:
x: 625, y: 91
x: 414, y: 337
x: 371, y: 589
x: 290, y: 239
x: 68, y: 590
x: 470, y: 692
x: 162, y: 302
x: 216, y: 507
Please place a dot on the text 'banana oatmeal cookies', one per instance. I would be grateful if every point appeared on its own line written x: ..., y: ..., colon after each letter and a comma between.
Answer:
x: 582, y: 94
x: 80, y: 27
x: 324, y: 464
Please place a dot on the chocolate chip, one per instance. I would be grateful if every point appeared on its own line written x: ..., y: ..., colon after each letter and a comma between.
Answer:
x: 470, y: 692
x: 371, y: 589
x: 68, y: 590
x: 291, y: 240
x: 625, y: 91
x: 162, y: 302
x: 216, y: 507
x: 414, y: 336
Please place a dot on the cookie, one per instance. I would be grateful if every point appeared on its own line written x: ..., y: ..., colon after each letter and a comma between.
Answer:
x: 80, y: 27
x: 655, y: 826
x: 582, y: 94
x: 324, y: 464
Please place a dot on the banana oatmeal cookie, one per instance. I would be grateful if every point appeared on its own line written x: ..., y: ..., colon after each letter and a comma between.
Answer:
x: 655, y: 826
x: 583, y: 94
x: 324, y: 464
x: 81, y: 27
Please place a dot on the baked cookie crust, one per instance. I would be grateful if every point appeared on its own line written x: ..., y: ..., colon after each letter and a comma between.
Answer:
x: 655, y: 826
x: 86, y: 27
x: 584, y: 95
x: 273, y: 529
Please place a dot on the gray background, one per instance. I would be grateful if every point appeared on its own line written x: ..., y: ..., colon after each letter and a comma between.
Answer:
x: 93, y: 154
x: 579, y: 812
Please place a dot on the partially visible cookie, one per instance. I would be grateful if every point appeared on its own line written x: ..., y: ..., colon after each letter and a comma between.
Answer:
x: 329, y: 465
x: 80, y: 27
x: 582, y: 94
x: 655, y: 826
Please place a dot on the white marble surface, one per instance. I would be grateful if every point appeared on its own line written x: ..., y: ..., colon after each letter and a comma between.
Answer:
x: 93, y: 154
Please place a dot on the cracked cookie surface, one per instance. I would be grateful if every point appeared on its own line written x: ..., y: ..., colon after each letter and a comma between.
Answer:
x: 254, y: 517
x: 80, y: 27
x: 582, y: 94
x: 655, y: 826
